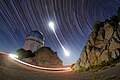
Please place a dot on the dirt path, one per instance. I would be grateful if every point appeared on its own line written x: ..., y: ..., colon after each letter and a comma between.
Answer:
x: 12, y: 70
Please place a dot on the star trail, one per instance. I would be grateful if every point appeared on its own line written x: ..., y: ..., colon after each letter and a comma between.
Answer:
x: 73, y: 20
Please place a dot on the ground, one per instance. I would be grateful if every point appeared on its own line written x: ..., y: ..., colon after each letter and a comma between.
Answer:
x: 12, y: 70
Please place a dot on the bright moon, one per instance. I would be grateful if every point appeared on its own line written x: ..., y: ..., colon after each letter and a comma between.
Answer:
x: 51, y: 25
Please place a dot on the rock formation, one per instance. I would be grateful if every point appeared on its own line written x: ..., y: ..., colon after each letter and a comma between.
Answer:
x: 101, y: 46
x: 44, y: 57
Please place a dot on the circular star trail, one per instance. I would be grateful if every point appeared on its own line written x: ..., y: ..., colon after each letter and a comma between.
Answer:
x: 73, y: 19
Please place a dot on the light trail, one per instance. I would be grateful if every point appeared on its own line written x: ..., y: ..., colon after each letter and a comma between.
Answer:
x: 51, y: 25
x: 65, y: 51
x: 38, y: 67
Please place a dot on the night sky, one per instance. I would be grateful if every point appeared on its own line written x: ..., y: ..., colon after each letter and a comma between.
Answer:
x: 73, y: 22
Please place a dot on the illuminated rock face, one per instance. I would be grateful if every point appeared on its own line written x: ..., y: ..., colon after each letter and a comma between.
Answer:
x: 34, y: 41
x: 45, y: 57
x: 101, y: 46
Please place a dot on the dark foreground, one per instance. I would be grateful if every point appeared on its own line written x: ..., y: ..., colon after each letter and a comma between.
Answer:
x: 11, y: 70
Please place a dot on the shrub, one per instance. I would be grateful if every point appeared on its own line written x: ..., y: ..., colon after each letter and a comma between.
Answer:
x: 96, y: 26
x: 72, y: 65
x: 118, y: 13
x: 114, y: 21
x: 30, y: 54
x: 107, y: 21
x: 21, y: 53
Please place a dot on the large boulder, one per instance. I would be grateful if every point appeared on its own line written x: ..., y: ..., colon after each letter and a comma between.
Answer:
x: 100, y: 47
x: 45, y: 57
x: 108, y: 31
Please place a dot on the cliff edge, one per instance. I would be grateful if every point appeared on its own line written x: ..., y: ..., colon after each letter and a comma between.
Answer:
x: 103, y: 45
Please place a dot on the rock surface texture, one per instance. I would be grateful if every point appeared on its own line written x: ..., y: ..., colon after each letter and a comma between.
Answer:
x: 101, y: 46
x: 44, y: 57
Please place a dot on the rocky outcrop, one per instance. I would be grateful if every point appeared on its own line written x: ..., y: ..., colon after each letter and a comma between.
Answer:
x: 101, y: 46
x: 44, y: 57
